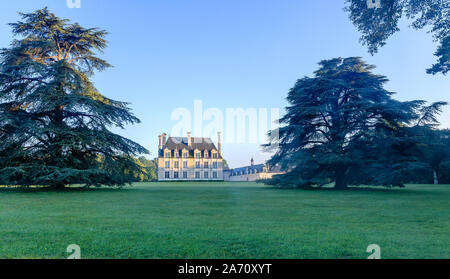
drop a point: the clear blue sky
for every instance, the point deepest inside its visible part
(230, 54)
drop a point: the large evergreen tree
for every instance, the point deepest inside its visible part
(343, 127)
(53, 121)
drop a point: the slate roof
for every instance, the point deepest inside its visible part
(180, 143)
(248, 169)
(254, 169)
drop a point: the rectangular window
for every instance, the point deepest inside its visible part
(177, 165)
(198, 155)
(167, 164)
(197, 165)
(206, 174)
(206, 165)
(185, 155)
(175, 175)
(215, 156)
(167, 175)
(185, 164)
(185, 175)
(167, 155)
(214, 165)
(215, 174)
(197, 174)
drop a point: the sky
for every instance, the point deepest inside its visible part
(230, 54)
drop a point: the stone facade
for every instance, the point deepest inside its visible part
(189, 159)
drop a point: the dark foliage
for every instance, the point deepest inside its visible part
(377, 25)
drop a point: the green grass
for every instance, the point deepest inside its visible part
(226, 220)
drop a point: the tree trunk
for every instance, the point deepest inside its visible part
(59, 186)
(340, 180)
(435, 176)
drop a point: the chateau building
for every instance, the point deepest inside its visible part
(189, 159)
(252, 172)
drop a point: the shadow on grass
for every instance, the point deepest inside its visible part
(355, 189)
(15, 189)
(161, 188)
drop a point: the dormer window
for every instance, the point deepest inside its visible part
(206, 154)
(167, 154)
(198, 154)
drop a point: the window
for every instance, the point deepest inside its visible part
(167, 175)
(206, 154)
(176, 153)
(177, 165)
(206, 174)
(198, 155)
(167, 164)
(215, 174)
(214, 165)
(206, 165)
(167, 155)
(197, 174)
(175, 175)
(197, 165)
(215, 156)
(185, 175)
(185, 164)
(185, 155)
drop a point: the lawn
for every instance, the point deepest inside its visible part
(226, 220)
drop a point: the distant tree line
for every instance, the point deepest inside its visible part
(433, 157)
(149, 170)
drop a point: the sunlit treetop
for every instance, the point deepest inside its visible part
(378, 24)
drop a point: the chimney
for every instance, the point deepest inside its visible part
(189, 139)
(160, 143)
(219, 142)
(164, 139)
(252, 162)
